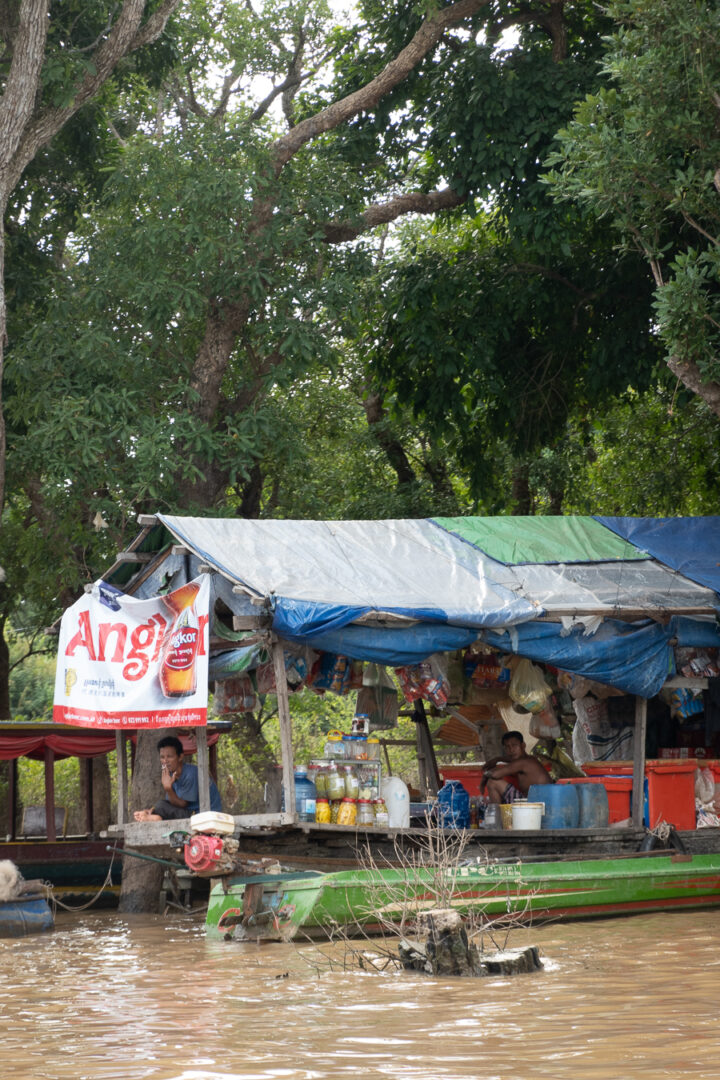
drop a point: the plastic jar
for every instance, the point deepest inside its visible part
(361, 752)
(334, 746)
(335, 783)
(361, 724)
(322, 811)
(321, 781)
(347, 814)
(350, 743)
(365, 815)
(351, 782)
(382, 818)
(373, 749)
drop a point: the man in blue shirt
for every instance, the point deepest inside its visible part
(180, 783)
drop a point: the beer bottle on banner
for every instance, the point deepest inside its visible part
(178, 676)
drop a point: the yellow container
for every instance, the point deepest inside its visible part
(506, 815)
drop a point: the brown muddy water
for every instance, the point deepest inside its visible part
(107, 997)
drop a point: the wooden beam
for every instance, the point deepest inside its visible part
(285, 727)
(638, 787)
(180, 549)
(122, 777)
(89, 799)
(619, 612)
(50, 795)
(147, 519)
(252, 622)
(13, 799)
(203, 768)
(694, 683)
(134, 556)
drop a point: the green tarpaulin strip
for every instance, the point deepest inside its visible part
(517, 540)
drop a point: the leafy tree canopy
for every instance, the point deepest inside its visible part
(643, 153)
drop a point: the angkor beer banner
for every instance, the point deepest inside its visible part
(134, 663)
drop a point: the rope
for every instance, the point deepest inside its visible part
(82, 907)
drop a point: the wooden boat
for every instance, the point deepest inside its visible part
(280, 907)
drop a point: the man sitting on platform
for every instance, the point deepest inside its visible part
(180, 781)
(509, 777)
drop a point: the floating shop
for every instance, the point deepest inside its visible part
(617, 617)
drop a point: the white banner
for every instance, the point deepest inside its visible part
(126, 663)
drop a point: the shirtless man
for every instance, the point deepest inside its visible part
(516, 763)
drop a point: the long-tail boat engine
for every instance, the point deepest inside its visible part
(211, 850)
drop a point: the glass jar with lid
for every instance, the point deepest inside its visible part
(365, 815)
(334, 746)
(347, 814)
(352, 784)
(335, 783)
(322, 812)
(373, 749)
(321, 778)
(350, 746)
(382, 818)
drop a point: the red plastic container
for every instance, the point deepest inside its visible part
(670, 788)
(671, 793)
(619, 790)
(470, 776)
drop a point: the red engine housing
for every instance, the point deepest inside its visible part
(203, 852)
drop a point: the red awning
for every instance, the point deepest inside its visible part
(81, 746)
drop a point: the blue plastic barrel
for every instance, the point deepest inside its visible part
(453, 805)
(562, 806)
(594, 807)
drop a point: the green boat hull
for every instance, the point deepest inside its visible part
(282, 907)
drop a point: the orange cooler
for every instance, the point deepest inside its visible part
(671, 792)
(670, 785)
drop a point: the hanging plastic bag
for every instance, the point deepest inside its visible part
(528, 688)
(544, 725)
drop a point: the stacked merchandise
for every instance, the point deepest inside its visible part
(345, 782)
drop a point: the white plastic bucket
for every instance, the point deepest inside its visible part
(527, 815)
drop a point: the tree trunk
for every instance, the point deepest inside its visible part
(101, 793)
(521, 496)
(4, 674)
(5, 823)
(141, 880)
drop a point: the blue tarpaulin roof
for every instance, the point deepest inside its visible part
(397, 591)
(690, 545)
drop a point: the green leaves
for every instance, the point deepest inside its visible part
(644, 155)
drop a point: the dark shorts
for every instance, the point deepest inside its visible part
(168, 812)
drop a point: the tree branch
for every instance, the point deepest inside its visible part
(125, 36)
(21, 88)
(429, 33)
(414, 202)
(690, 375)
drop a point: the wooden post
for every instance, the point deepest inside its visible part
(285, 727)
(638, 788)
(89, 800)
(122, 777)
(203, 768)
(50, 795)
(13, 798)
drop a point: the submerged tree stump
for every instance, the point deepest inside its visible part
(446, 950)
